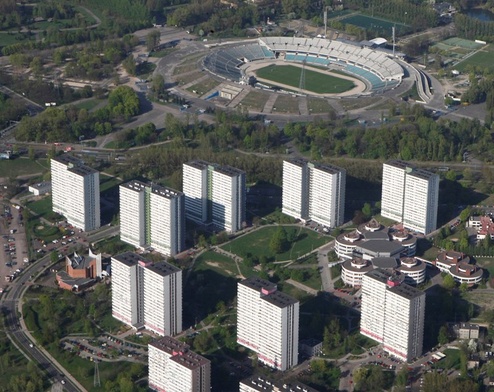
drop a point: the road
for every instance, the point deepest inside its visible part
(16, 330)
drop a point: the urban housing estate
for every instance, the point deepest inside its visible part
(410, 195)
(214, 195)
(152, 216)
(75, 192)
(174, 368)
(147, 295)
(268, 322)
(313, 191)
(393, 313)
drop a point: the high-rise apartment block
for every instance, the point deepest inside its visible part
(410, 195)
(214, 194)
(75, 192)
(152, 216)
(393, 313)
(313, 191)
(147, 295)
(174, 368)
(268, 322)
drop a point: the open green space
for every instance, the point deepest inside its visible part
(319, 105)
(88, 104)
(203, 87)
(377, 25)
(452, 360)
(286, 104)
(257, 243)
(219, 263)
(316, 82)
(255, 100)
(482, 58)
(12, 38)
(24, 166)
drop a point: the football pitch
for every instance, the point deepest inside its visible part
(315, 82)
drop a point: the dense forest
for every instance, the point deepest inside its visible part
(472, 28)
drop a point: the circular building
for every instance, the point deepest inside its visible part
(413, 269)
(353, 270)
(459, 266)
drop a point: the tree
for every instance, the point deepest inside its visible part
(153, 40)
(449, 282)
(31, 153)
(443, 335)
(402, 377)
(158, 86)
(279, 242)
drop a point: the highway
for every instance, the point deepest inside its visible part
(14, 327)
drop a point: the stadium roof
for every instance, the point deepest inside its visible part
(378, 41)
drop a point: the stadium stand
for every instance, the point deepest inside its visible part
(374, 67)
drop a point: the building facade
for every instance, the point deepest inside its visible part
(393, 313)
(314, 192)
(214, 194)
(147, 295)
(75, 192)
(152, 216)
(410, 195)
(173, 367)
(268, 323)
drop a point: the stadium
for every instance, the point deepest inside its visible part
(372, 71)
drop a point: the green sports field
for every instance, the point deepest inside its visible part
(316, 82)
(483, 59)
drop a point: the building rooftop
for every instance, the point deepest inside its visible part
(258, 284)
(410, 169)
(128, 258)
(380, 246)
(280, 299)
(76, 283)
(83, 170)
(169, 193)
(376, 235)
(190, 359)
(67, 159)
(301, 162)
(228, 170)
(406, 291)
(41, 185)
(170, 345)
(424, 174)
(331, 169)
(77, 261)
(198, 164)
(385, 262)
(135, 185)
(163, 268)
(258, 383)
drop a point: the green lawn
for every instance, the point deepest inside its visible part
(482, 59)
(23, 166)
(257, 243)
(452, 360)
(316, 82)
(88, 104)
(221, 264)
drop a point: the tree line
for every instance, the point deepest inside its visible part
(473, 28)
(72, 124)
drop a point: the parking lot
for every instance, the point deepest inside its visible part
(14, 248)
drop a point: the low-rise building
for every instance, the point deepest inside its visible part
(80, 271)
(310, 347)
(467, 331)
(459, 266)
(40, 188)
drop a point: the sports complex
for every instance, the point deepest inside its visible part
(312, 66)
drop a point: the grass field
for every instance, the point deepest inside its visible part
(482, 59)
(286, 104)
(316, 82)
(203, 87)
(184, 79)
(319, 105)
(88, 104)
(24, 166)
(257, 243)
(378, 25)
(255, 100)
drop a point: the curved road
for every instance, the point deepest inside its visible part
(15, 328)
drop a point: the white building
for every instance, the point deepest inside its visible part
(410, 195)
(268, 323)
(260, 384)
(75, 192)
(393, 313)
(147, 295)
(40, 188)
(214, 194)
(174, 368)
(314, 192)
(152, 216)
